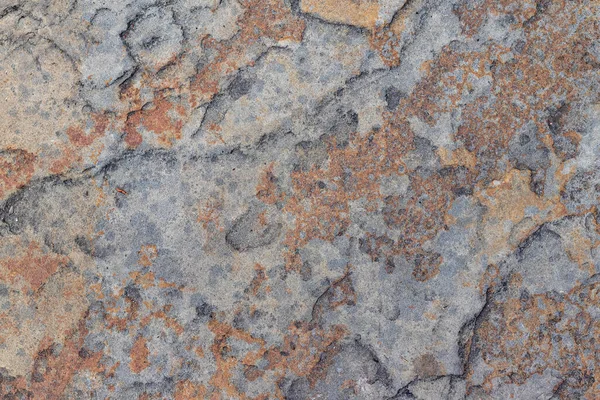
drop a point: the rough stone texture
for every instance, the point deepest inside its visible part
(299, 199)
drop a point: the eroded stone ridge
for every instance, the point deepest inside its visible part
(299, 199)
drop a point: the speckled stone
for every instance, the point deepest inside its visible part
(299, 199)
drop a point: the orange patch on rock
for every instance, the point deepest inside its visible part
(147, 254)
(221, 380)
(258, 280)
(57, 370)
(79, 138)
(323, 211)
(209, 214)
(162, 119)
(35, 266)
(132, 137)
(159, 121)
(387, 40)
(169, 322)
(554, 327)
(267, 190)
(16, 169)
(303, 348)
(507, 201)
(144, 280)
(262, 20)
(186, 390)
(139, 356)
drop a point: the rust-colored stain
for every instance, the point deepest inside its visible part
(270, 19)
(186, 390)
(16, 169)
(529, 334)
(258, 279)
(139, 356)
(79, 138)
(34, 266)
(147, 254)
(55, 366)
(221, 380)
(209, 214)
(267, 190)
(163, 119)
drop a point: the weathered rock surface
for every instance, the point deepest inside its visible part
(299, 199)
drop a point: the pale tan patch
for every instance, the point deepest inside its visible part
(506, 202)
(56, 311)
(458, 157)
(363, 13)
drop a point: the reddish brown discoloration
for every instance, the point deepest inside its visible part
(186, 390)
(322, 212)
(524, 335)
(209, 214)
(79, 138)
(163, 119)
(363, 13)
(352, 170)
(495, 91)
(139, 356)
(258, 280)
(302, 353)
(144, 280)
(302, 350)
(16, 169)
(54, 367)
(472, 14)
(342, 292)
(387, 40)
(486, 132)
(267, 190)
(426, 366)
(169, 322)
(270, 19)
(132, 138)
(147, 254)
(35, 266)
(221, 381)
(83, 142)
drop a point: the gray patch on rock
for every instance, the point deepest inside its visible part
(154, 38)
(248, 233)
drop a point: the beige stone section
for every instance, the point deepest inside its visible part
(52, 315)
(47, 313)
(363, 13)
(38, 90)
(506, 221)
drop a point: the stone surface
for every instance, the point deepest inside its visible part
(273, 199)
